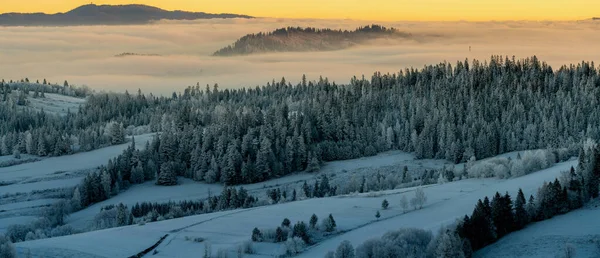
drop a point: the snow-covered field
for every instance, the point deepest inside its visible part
(51, 167)
(355, 215)
(579, 229)
(55, 103)
(191, 190)
(30, 184)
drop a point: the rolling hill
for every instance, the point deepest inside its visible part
(92, 14)
(298, 39)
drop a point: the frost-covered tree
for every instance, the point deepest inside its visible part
(116, 133)
(76, 200)
(7, 249)
(419, 199)
(137, 174)
(294, 245)
(447, 244)
(400, 243)
(345, 250)
(404, 203)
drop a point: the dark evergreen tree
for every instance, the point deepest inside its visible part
(300, 230)
(313, 221)
(521, 215)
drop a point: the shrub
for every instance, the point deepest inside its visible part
(294, 246)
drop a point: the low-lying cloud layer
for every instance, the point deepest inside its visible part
(85, 55)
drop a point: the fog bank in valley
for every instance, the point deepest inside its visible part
(86, 55)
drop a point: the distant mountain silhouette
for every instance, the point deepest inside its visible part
(106, 15)
(308, 39)
(596, 18)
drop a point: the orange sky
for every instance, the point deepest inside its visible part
(387, 10)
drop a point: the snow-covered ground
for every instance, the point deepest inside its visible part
(31, 184)
(579, 229)
(50, 167)
(11, 158)
(191, 190)
(55, 103)
(355, 214)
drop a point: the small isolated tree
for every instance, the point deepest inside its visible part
(329, 254)
(420, 199)
(385, 204)
(345, 250)
(256, 235)
(404, 203)
(286, 223)
(377, 215)
(76, 200)
(313, 221)
(328, 224)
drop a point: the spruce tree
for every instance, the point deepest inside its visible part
(167, 175)
(521, 215)
(300, 230)
(286, 223)
(313, 221)
(385, 204)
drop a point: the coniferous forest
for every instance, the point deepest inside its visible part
(453, 112)
(459, 112)
(448, 111)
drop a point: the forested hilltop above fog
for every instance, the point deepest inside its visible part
(92, 14)
(298, 39)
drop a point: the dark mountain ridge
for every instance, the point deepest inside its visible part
(92, 14)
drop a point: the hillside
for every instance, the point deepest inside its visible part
(92, 14)
(578, 230)
(307, 39)
(225, 231)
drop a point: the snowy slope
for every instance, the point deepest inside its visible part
(580, 229)
(55, 103)
(35, 183)
(50, 167)
(191, 190)
(354, 214)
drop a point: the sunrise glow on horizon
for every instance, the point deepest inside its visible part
(385, 10)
